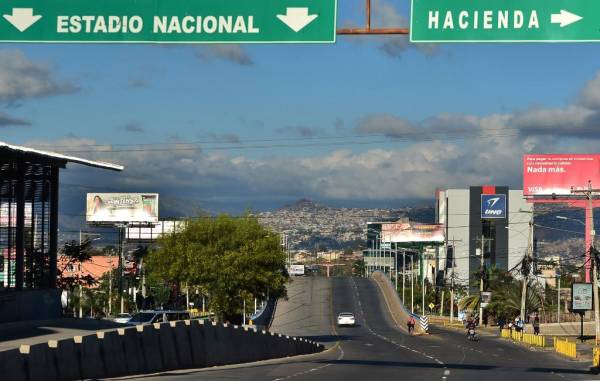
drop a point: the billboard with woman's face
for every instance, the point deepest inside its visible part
(122, 207)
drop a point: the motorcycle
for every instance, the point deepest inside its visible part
(472, 335)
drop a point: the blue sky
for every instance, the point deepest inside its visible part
(545, 95)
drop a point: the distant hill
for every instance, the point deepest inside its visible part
(310, 224)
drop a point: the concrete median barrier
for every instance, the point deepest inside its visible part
(113, 353)
(67, 360)
(147, 349)
(40, 362)
(91, 360)
(183, 346)
(228, 353)
(150, 348)
(168, 350)
(203, 343)
(132, 348)
(13, 365)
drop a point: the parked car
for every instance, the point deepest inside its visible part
(346, 319)
(122, 318)
(150, 317)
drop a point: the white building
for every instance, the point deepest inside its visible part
(498, 215)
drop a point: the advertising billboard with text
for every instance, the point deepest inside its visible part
(582, 296)
(406, 232)
(122, 207)
(555, 174)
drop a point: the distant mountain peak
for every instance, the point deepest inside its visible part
(303, 203)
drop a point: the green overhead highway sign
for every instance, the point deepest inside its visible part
(168, 21)
(505, 21)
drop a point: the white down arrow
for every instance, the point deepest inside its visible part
(297, 18)
(22, 18)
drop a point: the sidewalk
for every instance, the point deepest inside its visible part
(584, 349)
(13, 335)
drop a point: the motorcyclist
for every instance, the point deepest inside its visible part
(471, 327)
(410, 323)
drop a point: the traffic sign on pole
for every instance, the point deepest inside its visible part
(169, 21)
(504, 21)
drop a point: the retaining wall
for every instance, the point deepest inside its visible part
(399, 312)
(148, 349)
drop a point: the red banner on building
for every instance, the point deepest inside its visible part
(556, 174)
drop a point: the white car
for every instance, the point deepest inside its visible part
(346, 319)
(122, 318)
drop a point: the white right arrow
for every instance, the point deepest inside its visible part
(22, 18)
(297, 18)
(564, 18)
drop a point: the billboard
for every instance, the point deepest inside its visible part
(122, 207)
(493, 206)
(154, 232)
(582, 297)
(555, 174)
(407, 232)
(296, 270)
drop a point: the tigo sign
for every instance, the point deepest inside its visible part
(493, 206)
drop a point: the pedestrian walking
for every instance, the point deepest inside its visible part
(501, 323)
(536, 325)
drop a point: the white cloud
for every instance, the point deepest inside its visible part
(590, 95)
(446, 150)
(22, 78)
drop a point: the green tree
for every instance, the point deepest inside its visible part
(358, 268)
(231, 258)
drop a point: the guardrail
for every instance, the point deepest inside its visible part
(527, 338)
(565, 347)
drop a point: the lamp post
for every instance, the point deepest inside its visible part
(529, 257)
(374, 261)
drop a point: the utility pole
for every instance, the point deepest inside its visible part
(589, 193)
(528, 260)
(481, 280)
(412, 286)
(529, 256)
(558, 274)
(452, 276)
(80, 286)
(482, 269)
(110, 284)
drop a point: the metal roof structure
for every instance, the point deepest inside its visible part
(9, 148)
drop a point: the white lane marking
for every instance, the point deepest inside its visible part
(393, 342)
(341, 356)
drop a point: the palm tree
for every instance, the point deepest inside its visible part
(506, 295)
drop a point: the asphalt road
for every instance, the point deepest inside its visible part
(376, 350)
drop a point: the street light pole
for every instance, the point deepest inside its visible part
(403, 276)
(558, 305)
(412, 286)
(396, 267)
